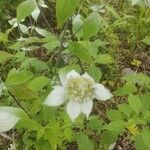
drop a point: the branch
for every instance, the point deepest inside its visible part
(61, 47)
(18, 103)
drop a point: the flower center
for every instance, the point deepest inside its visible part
(80, 89)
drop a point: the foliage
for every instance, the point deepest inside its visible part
(100, 38)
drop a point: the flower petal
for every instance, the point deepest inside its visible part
(72, 74)
(56, 97)
(86, 107)
(73, 110)
(101, 92)
(64, 76)
(86, 76)
(7, 121)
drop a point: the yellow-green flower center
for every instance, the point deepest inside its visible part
(80, 89)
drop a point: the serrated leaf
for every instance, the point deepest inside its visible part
(3, 37)
(95, 124)
(109, 137)
(38, 83)
(95, 72)
(91, 25)
(51, 45)
(135, 103)
(23, 93)
(18, 77)
(35, 64)
(43, 145)
(125, 108)
(30, 124)
(4, 56)
(84, 142)
(64, 9)
(92, 47)
(146, 40)
(81, 52)
(128, 88)
(116, 125)
(139, 78)
(142, 140)
(104, 59)
(25, 9)
(114, 114)
(40, 133)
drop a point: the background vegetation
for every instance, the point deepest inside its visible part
(108, 39)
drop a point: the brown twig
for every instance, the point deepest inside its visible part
(61, 47)
(44, 17)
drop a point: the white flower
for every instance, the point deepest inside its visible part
(79, 92)
(7, 121)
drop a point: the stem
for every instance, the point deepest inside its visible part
(73, 39)
(6, 136)
(44, 17)
(18, 103)
(61, 47)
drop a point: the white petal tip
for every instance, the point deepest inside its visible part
(102, 93)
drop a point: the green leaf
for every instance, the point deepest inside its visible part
(23, 93)
(4, 56)
(125, 108)
(38, 83)
(95, 123)
(116, 125)
(128, 88)
(18, 77)
(104, 59)
(146, 40)
(77, 27)
(135, 103)
(142, 140)
(139, 78)
(146, 116)
(43, 145)
(64, 9)
(91, 25)
(81, 52)
(36, 106)
(92, 47)
(30, 124)
(114, 114)
(51, 45)
(35, 64)
(112, 11)
(25, 9)
(94, 72)
(109, 137)
(145, 101)
(20, 56)
(84, 143)
(53, 133)
(40, 133)
(3, 37)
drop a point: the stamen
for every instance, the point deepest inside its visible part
(80, 89)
